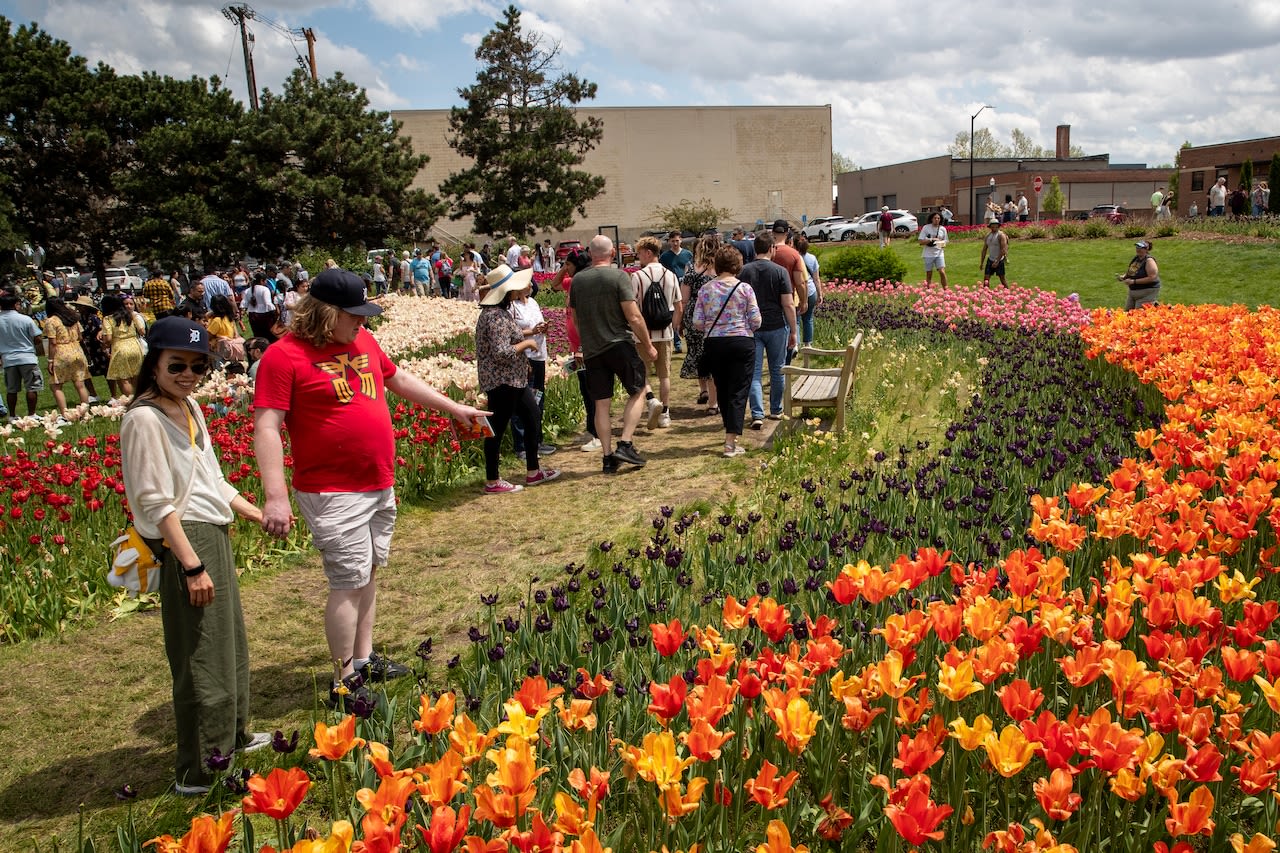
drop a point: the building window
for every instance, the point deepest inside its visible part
(869, 204)
(891, 201)
(1197, 182)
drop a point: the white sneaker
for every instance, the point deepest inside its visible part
(259, 740)
(655, 412)
(591, 446)
(665, 420)
(190, 790)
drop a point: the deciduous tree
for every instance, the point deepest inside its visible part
(696, 216)
(1054, 200)
(523, 137)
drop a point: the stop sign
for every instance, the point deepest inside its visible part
(1038, 184)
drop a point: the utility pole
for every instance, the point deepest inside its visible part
(310, 36)
(238, 15)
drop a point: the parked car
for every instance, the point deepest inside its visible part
(820, 228)
(867, 225)
(1113, 213)
(565, 247)
(118, 278)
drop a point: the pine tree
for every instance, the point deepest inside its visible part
(522, 135)
(1054, 199)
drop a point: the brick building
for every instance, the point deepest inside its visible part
(1200, 166)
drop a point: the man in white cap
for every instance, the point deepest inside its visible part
(326, 380)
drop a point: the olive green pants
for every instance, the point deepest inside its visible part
(208, 655)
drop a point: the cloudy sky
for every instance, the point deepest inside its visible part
(1133, 78)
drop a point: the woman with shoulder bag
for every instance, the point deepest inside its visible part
(728, 315)
(183, 506)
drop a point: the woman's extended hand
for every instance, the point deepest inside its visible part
(200, 589)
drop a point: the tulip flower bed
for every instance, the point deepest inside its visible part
(1054, 632)
(62, 494)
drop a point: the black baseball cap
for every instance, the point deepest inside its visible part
(178, 333)
(781, 226)
(344, 289)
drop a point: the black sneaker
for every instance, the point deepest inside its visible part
(353, 697)
(546, 449)
(382, 669)
(626, 452)
(611, 464)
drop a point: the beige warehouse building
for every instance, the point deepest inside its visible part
(762, 163)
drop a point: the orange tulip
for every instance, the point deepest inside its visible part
(338, 841)
(447, 829)
(1056, 796)
(711, 700)
(534, 693)
(735, 614)
(592, 686)
(704, 742)
(501, 808)
(657, 761)
(593, 787)
(1019, 700)
(440, 782)
(779, 840)
(434, 718)
(517, 766)
(917, 754)
(667, 638)
(334, 742)
(677, 805)
(388, 801)
(1258, 844)
(912, 709)
(913, 814)
(668, 698)
(588, 843)
(539, 838)
(476, 844)
(797, 723)
(207, 835)
(773, 619)
(578, 715)
(468, 741)
(571, 818)
(834, 822)
(520, 724)
(767, 789)
(1192, 817)
(278, 794)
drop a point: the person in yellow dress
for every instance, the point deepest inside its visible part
(120, 334)
(67, 362)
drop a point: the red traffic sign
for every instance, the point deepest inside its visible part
(1038, 184)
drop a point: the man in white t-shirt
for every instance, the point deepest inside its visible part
(648, 250)
(513, 253)
(1218, 197)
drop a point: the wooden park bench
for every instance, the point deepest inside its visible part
(812, 387)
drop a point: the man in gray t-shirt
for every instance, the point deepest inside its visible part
(18, 337)
(602, 304)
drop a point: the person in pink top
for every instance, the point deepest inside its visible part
(575, 262)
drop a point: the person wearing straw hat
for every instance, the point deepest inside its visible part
(326, 380)
(503, 372)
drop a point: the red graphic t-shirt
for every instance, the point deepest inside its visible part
(336, 411)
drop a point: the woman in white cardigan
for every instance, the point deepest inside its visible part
(182, 505)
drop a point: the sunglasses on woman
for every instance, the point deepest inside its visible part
(175, 368)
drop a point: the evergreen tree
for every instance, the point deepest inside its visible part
(1246, 174)
(522, 135)
(1054, 199)
(322, 169)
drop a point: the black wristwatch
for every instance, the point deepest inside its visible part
(193, 572)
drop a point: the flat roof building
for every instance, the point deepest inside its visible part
(1200, 166)
(762, 163)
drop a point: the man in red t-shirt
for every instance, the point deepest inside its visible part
(789, 259)
(326, 381)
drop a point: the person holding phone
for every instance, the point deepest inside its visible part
(933, 237)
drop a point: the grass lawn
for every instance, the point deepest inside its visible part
(1195, 271)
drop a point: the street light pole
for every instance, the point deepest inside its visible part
(973, 196)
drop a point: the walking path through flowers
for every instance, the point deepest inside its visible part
(105, 690)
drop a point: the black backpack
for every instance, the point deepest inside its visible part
(654, 308)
